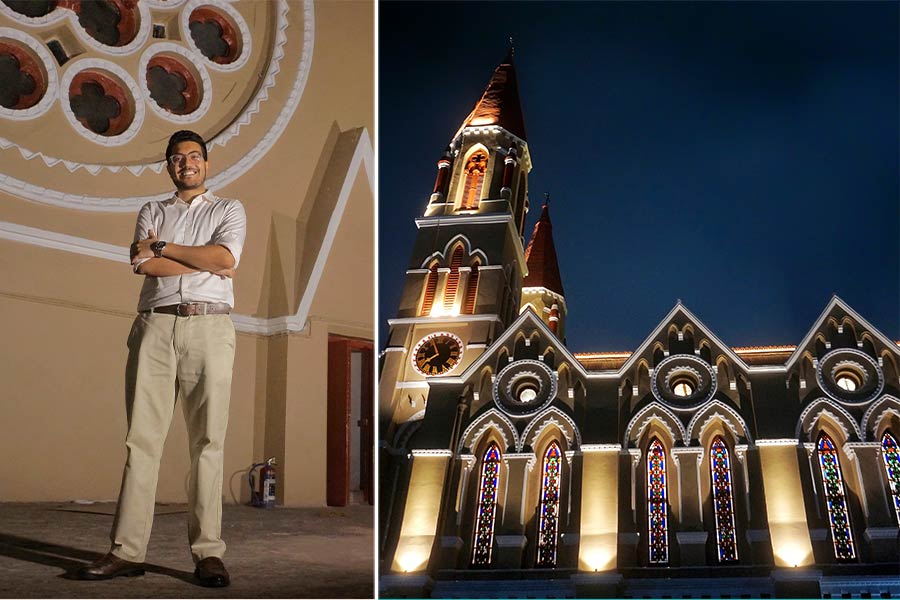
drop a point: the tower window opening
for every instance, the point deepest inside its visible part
(453, 279)
(471, 291)
(430, 290)
(848, 380)
(475, 170)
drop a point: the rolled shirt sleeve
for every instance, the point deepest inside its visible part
(232, 230)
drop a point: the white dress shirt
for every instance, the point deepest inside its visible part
(206, 220)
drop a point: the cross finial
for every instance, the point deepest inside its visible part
(512, 46)
(547, 198)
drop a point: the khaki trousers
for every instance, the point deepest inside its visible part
(169, 359)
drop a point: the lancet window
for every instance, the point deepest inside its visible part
(723, 499)
(486, 510)
(456, 260)
(549, 507)
(657, 503)
(475, 169)
(891, 455)
(430, 289)
(833, 487)
(471, 291)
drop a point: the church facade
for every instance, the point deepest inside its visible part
(513, 467)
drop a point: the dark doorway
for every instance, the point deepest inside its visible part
(350, 428)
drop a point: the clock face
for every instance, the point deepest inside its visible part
(437, 353)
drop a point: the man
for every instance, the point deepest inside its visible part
(181, 348)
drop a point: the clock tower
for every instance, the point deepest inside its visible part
(464, 279)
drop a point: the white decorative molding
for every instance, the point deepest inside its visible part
(431, 452)
(444, 256)
(50, 70)
(601, 448)
(127, 80)
(205, 81)
(402, 385)
(61, 241)
(778, 442)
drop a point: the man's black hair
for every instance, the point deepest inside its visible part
(185, 135)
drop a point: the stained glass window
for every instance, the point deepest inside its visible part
(723, 499)
(657, 509)
(487, 506)
(838, 516)
(549, 507)
(891, 456)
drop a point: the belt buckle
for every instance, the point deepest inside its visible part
(186, 306)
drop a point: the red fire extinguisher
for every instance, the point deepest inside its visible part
(265, 496)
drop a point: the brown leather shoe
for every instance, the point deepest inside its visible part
(211, 572)
(110, 566)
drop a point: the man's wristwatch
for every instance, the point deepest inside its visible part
(157, 248)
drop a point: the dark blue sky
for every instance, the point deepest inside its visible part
(740, 156)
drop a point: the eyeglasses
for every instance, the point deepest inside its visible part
(180, 159)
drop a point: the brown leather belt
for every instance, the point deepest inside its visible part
(192, 309)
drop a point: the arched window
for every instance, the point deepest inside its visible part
(549, 507)
(657, 504)
(833, 487)
(486, 511)
(476, 167)
(430, 289)
(453, 278)
(471, 291)
(723, 499)
(891, 456)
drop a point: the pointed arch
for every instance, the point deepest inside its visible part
(550, 417)
(643, 378)
(658, 353)
(835, 498)
(471, 289)
(821, 346)
(486, 507)
(867, 344)
(723, 499)
(474, 173)
(705, 417)
(653, 413)
(827, 409)
(706, 351)
(890, 454)
(548, 506)
(687, 333)
(492, 420)
(889, 368)
(873, 420)
(452, 286)
(657, 503)
(549, 357)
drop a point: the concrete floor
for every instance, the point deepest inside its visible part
(280, 553)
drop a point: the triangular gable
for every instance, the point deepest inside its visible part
(680, 308)
(836, 302)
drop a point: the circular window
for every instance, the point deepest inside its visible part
(31, 8)
(111, 22)
(683, 381)
(849, 375)
(215, 34)
(524, 387)
(100, 102)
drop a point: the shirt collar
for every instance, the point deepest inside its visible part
(206, 196)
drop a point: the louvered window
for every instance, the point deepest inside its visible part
(430, 289)
(453, 279)
(471, 291)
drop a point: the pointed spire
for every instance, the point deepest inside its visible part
(500, 105)
(540, 256)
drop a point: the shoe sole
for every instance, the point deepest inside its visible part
(92, 577)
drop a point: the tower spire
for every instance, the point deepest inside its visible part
(500, 104)
(542, 287)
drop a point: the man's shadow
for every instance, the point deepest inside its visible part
(69, 559)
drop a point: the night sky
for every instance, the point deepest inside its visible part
(742, 157)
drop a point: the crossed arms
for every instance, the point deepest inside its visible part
(181, 260)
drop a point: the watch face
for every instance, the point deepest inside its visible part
(437, 353)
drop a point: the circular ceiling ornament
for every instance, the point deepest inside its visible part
(524, 388)
(850, 376)
(100, 102)
(218, 33)
(118, 27)
(268, 55)
(683, 382)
